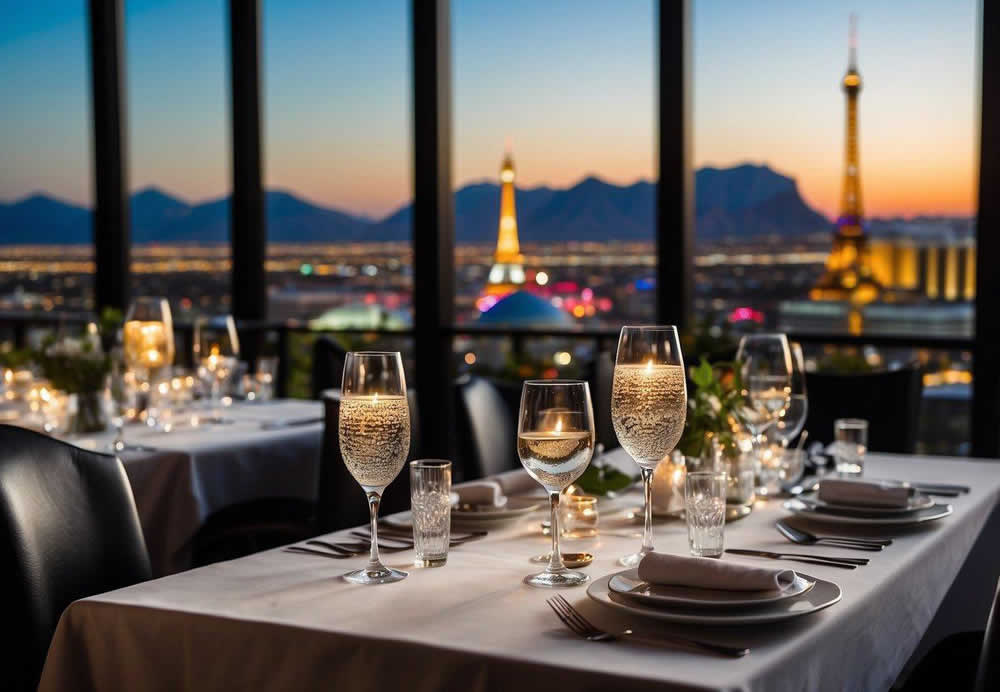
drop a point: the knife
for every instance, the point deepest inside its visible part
(845, 562)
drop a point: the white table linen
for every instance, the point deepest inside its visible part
(193, 472)
(281, 621)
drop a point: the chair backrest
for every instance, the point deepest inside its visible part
(988, 674)
(600, 394)
(69, 530)
(487, 430)
(889, 401)
(341, 502)
(327, 365)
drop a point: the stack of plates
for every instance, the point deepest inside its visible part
(920, 508)
(626, 592)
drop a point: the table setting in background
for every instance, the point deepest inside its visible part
(750, 576)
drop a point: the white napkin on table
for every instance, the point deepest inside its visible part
(843, 491)
(518, 482)
(710, 573)
(482, 492)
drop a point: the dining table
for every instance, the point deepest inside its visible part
(280, 620)
(211, 459)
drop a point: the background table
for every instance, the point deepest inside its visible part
(278, 621)
(192, 472)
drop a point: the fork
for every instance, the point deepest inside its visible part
(582, 627)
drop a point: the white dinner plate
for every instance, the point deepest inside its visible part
(915, 503)
(515, 509)
(822, 595)
(661, 595)
(920, 516)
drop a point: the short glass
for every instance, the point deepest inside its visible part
(705, 511)
(430, 505)
(579, 516)
(850, 436)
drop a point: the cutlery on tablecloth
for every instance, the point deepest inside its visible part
(322, 553)
(408, 538)
(582, 627)
(844, 562)
(951, 487)
(360, 547)
(803, 537)
(290, 422)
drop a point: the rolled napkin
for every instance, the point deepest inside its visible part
(842, 491)
(481, 493)
(709, 573)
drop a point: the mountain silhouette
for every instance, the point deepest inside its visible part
(743, 201)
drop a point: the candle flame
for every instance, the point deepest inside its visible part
(559, 425)
(649, 366)
(375, 398)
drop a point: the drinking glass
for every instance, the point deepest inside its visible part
(705, 511)
(430, 505)
(793, 417)
(648, 407)
(555, 441)
(850, 444)
(374, 431)
(148, 342)
(216, 354)
(766, 380)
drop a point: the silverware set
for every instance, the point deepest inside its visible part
(842, 562)
(582, 627)
(390, 540)
(803, 537)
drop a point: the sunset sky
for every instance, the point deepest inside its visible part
(571, 82)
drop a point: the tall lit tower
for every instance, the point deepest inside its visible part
(507, 273)
(848, 274)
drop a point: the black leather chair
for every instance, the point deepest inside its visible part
(487, 431)
(889, 401)
(327, 366)
(253, 526)
(600, 394)
(69, 530)
(988, 673)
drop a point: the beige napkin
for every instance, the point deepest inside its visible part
(709, 573)
(481, 493)
(842, 491)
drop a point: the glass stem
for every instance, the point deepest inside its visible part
(647, 526)
(555, 561)
(373, 502)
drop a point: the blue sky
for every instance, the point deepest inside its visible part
(572, 83)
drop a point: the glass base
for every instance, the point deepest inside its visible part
(634, 559)
(431, 561)
(380, 574)
(556, 580)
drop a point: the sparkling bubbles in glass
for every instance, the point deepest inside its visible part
(648, 407)
(374, 431)
(555, 441)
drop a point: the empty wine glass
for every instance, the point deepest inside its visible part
(555, 441)
(766, 373)
(648, 408)
(216, 354)
(374, 432)
(793, 417)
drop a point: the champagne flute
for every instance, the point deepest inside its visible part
(216, 354)
(555, 441)
(648, 408)
(766, 373)
(374, 439)
(148, 342)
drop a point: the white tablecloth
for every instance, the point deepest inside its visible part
(282, 621)
(193, 472)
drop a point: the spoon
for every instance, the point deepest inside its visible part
(571, 560)
(802, 537)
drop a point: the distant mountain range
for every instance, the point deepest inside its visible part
(743, 201)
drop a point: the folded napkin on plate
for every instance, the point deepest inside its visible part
(709, 573)
(481, 493)
(518, 482)
(841, 491)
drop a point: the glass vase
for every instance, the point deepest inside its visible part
(87, 413)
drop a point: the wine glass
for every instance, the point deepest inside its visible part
(216, 354)
(648, 408)
(793, 418)
(766, 374)
(374, 439)
(148, 342)
(555, 441)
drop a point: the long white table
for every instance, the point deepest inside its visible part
(282, 621)
(184, 476)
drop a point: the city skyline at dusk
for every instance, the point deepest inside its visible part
(572, 85)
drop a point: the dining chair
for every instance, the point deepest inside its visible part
(327, 365)
(988, 671)
(69, 530)
(888, 400)
(487, 430)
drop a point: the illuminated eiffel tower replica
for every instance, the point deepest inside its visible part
(849, 276)
(507, 273)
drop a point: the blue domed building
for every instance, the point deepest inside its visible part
(523, 309)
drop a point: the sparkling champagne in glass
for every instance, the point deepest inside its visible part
(374, 429)
(555, 441)
(148, 343)
(648, 407)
